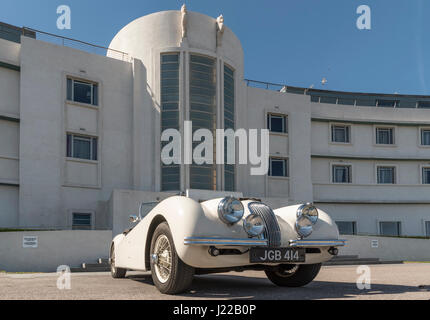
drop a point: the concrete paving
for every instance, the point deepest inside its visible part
(406, 281)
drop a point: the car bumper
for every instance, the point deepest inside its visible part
(213, 241)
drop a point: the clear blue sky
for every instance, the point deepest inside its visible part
(297, 42)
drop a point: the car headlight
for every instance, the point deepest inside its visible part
(254, 225)
(230, 210)
(307, 217)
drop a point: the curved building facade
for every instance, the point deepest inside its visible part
(84, 145)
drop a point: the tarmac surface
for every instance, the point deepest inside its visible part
(388, 282)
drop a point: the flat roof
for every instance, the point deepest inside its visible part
(349, 98)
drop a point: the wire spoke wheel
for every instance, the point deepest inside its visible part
(163, 254)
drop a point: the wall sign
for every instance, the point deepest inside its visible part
(375, 243)
(30, 242)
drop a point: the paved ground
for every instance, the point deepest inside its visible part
(407, 281)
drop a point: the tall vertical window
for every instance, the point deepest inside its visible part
(203, 114)
(340, 134)
(386, 175)
(170, 174)
(82, 91)
(384, 135)
(341, 174)
(425, 137)
(229, 123)
(426, 175)
(428, 228)
(390, 228)
(82, 147)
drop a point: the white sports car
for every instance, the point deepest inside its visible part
(181, 237)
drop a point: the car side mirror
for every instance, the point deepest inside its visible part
(134, 219)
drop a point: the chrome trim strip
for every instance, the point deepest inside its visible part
(204, 241)
(317, 243)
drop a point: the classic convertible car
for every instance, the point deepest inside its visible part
(181, 237)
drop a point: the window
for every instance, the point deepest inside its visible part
(426, 175)
(277, 123)
(347, 227)
(386, 175)
(424, 104)
(340, 133)
(278, 167)
(342, 174)
(384, 135)
(170, 174)
(82, 91)
(428, 228)
(203, 114)
(81, 221)
(82, 147)
(425, 137)
(389, 228)
(387, 103)
(229, 119)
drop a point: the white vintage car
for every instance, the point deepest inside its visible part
(181, 237)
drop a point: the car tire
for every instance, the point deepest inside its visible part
(180, 276)
(293, 275)
(117, 273)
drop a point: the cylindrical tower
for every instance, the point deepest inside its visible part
(194, 67)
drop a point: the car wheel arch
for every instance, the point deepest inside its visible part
(156, 221)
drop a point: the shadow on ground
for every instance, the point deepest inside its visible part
(241, 287)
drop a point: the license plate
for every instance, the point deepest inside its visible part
(277, 255)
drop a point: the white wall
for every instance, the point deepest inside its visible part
(50, 186)
(55, 248)
(9, 92)
(368, 216)
(389, 249)
(9, 206)
(296, 145)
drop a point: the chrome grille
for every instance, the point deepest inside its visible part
(272, 232)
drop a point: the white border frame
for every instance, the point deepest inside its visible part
(340, 124)
(389, 165)
(395, 130)
(338, 163)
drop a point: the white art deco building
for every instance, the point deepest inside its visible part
(80, 133)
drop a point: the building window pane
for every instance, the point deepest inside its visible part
(341, 174)
(386, 175)
(81, 221)
(203, 113)
(82, 147)
(340, 134)
(426, 175)
(425, 137)
(229, 123)
(81, 91)
(428, 228)
(170, 174)
(347, 227)
(384, 136)
(390, 228)
(278, 167)
(277, 123)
